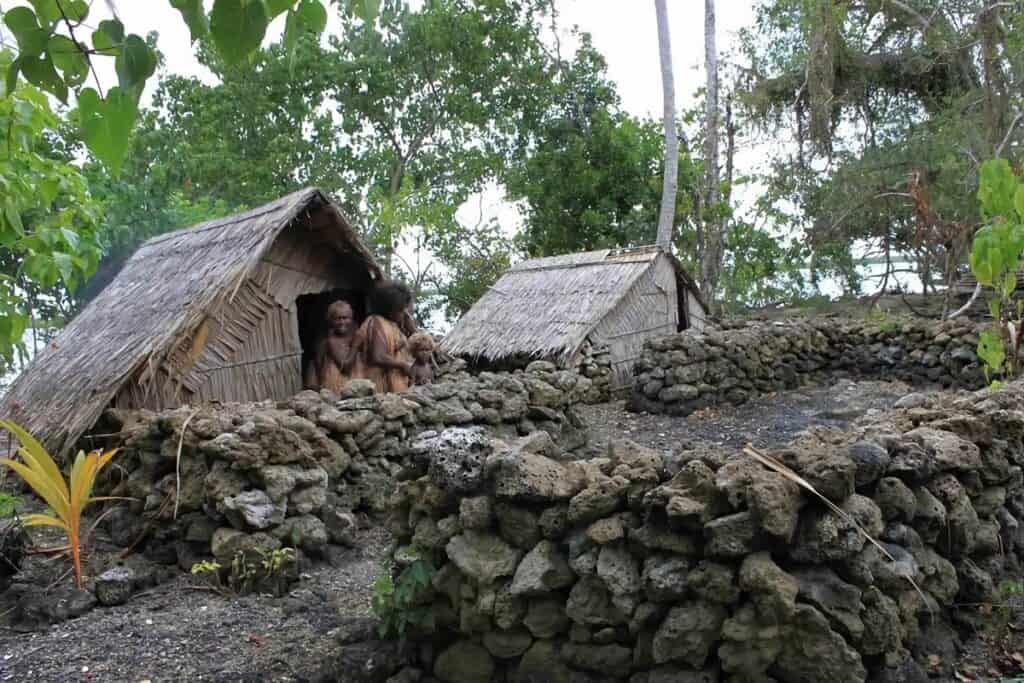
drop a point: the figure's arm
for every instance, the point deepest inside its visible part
(379, 355)
(344, 358)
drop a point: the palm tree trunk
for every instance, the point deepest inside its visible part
(711, 249)
(671, 169)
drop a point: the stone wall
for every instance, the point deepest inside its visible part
(266, 475)
(684, 372)
(593, 364)
(710, 566)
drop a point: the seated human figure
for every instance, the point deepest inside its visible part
(421, 346)
(335, 355)
(384, 357)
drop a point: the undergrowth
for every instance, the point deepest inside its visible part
(403, 601)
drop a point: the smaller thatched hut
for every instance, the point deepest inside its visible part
(560, 307)
(224, 311)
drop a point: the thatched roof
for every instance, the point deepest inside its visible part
(546, 307)
(158, 299)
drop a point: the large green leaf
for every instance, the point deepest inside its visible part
(238, 27)
(39, 71)
(308, 17)
(47, 11)
(996, 189)
(69, 59)
(991, 350)
(108, 37)
(106, 125)
(32, 38)
(195, 17)
(276, 8)
(135, 63)
(50, 11)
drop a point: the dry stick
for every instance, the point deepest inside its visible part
(963, 309)
(776, 466)
(177, 463)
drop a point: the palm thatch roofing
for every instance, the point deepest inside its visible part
(547, 307)
(158, 299)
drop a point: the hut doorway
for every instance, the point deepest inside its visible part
(311, 312)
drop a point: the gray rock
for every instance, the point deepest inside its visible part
(947, 450)
(689, 633)
(814, 652)
(665, 578)
(895, 499)
(278, 481)
(307, 500)
(775, 503)
(507, 644)
(619, 570)
(455, 457)
(464, 662)
(750, 644)
(531, 478)
(546, 618)
(306, 532)
(543, 570)
(774, 591)
(483, 557)
(517, 525)
(252, 510)
(731, 536)
(590, 604)
(476, 513)
(615, 660)
(227, 543)
(115, 586)
(871, 460)
(714, 582)
(837, 600)
(542, 662)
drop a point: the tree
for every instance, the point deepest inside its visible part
(670, 172)
(891, 105)
(713, 220)
(48, 219)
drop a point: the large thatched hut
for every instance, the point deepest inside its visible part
(562, 307)
(224, 311)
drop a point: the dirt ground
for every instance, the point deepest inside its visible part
(765, 421)
(176, 632)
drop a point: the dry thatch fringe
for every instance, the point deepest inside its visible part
(780, 468)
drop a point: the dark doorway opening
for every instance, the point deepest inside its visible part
(311, 312)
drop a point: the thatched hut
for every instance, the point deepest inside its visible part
(562, 307)
(223, 311)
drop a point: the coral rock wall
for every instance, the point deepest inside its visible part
(684, 372)
(254, 477)
(710, 566)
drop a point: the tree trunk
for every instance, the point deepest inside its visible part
(711, 248)
(671, 169)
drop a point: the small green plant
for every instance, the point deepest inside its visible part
(66, 498)
(271, 571)
(8, 504)
(404, 601)
(995, 260)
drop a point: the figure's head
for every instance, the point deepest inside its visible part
(421, 346)
(390, 299)
(340, 318)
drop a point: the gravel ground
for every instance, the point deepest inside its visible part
(765, 421)
(176, 632)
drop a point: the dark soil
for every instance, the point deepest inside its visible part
(178, 632)
(765, 421)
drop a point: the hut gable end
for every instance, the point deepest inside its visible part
(184, 304)
(549, 307)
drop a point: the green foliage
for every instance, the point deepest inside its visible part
(54, 58)
(404, 602)
(760, 269)
(272, 571)
(48, 219)
(995, 260)
(8, 504)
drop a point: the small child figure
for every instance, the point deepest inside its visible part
(421, 346)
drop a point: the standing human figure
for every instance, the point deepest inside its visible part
(335, 355)
(384, 356)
